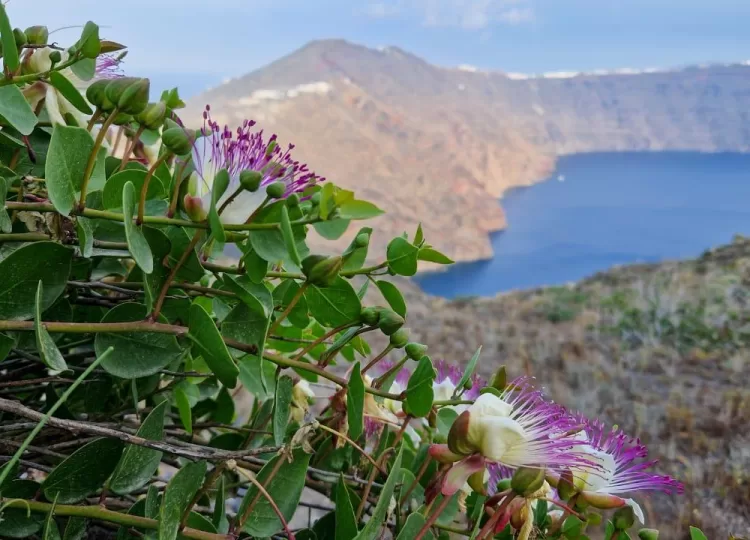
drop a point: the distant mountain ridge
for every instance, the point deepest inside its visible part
(440, 145)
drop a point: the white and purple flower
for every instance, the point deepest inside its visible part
(219, 148)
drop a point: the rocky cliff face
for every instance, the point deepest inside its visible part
(440, 145)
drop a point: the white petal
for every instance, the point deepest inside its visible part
(241, 208)
(599, 479)
(494, 435)
(490, 405)
(53, 106)
(444, 390)
(637, 510)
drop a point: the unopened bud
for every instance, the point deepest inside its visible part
(250, 180)
(177, 140)
(37, 35)
(323, 272)
(90, 45)
(111, 46)
(20, 37)
(292, 201)
(503, 485)
(134, 99)
(565, 487)
(415, 351)
(315, 198)
(122, 119)
(499, 379)
(648, 534)
(624, 518)
(194, 208)
(362, 240)
(602, 501)
(271, 147)
(527, 480)
(116, 87)
(370, 316)
(153, 115)
(276, 190)
(390, 321)
(457, 435)
(55, 57)
(95, 93)
(400, 338)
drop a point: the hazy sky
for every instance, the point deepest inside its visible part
(200, 42)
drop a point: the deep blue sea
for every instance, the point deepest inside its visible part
(603, 209)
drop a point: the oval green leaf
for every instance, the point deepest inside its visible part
(371, 530)
(334, 305)
(15, 111)
(206, 337)
(355, 402)
(69, 92)
(137, 243)
(402, 257)
(179, 492)
(281, 402)
(393, 296)
(112, 192)
(48, 351)
(68, 154)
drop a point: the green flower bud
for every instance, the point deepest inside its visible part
(37, 35)
(624, 518)
(153, 115)
(503, 485)
(122, 119)
(499, 379)
(250, 180)
(90, 45)
(310, 261)
(55, 57)
(315, 198)
(194, 208)
(20, 37)
(565, 487)
(415, 351)
(527, 480)
(177, 140)
(648, 534)
(458, 433)
(95, 93)
(134, 98)
(115, 87)
(362, 240)
(276, 190)
(169, 123)
(111, 46)
(370, 316)
(390, 322)
(400, 338)
(292, 201)
(324, 272)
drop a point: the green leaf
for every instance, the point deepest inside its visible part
(83, 472)
(191, 270)
(179, 492)
(697, 534)
(359, 210)
(138, 464)
(283, 296)
(85, 229)
(135, 354)
(247, 324)
(331, 230)
(609, 530)
(75, 529)
(206, 336)
(432, 255)
(371, 530)
(419, 392)
(221, 182)
(470, 369)
(6, 344)
(402, 257)
(21, 272)
(250, 292)
(327, 202)
(255, 266)
(355, 402)
(411, 528)
(254, 372)
(281, 402)
(69, 92)
(15, 111)
(137, 243)
(183, 407)
(112, 192)
(6, 225)
(393, 296)
(334, 305)
(355, 256)
(160, 249)
(270, 244)
(68, 154)
(572, 527)
(285, 488)
(219, 518)
(288, 235)
(445, 418)
(8, 40)
(84, 69)
(346, 520)
(419, 236)
(48, 351)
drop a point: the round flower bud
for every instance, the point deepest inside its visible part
(324, 272)
(415, 351)
(362, 240)
(194, 208)
(114, 88)
(134, 98)
(292, 201)
(153, 115)
(503, 485)
(276, 190)
(624, 518)
(310, 261)
(390, 322)
(122, 119)
(55, 57)
(95, 93)
(177, 140)
(400, 338)
(20, 37)
(37, 35)
(527, 480)
(250, 180)
(648, 534)
(369, 316)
